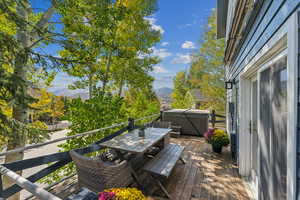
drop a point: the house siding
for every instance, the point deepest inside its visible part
(231, 8)
(272, 16)
(298, 120)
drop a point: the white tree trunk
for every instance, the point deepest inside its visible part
(27, 39)
(19, 111)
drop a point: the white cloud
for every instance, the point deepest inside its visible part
(159, 70)
(154, 26)
(57, 55)
(194, 22)
(164, 44)
(182, 59)
(188, 45)
(161, 53)
(184, 26)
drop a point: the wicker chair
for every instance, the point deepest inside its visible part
(97, 175)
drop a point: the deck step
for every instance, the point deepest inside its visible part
(175, 134)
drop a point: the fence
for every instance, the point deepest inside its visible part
(213, 118)
(61, 159)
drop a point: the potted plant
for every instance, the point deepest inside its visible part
(217, 138)
(121, 194)
(142, 131)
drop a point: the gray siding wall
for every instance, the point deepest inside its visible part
(298, 120)
(231, 8)
(272, 16)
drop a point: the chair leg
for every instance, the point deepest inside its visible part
(182, 160)
(162, 187)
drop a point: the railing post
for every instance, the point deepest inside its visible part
(161, 115)
(213, 118)
(130, 124)
(1, 186)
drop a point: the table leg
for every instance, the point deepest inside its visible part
(135, 178)
(160, 185)
(133, 173)
(182, 160)
(166, 140)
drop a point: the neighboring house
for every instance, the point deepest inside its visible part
(262, 62)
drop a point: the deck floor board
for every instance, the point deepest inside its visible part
(205, 176)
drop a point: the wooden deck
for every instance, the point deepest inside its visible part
(205, 176)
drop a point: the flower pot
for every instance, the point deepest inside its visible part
(141, 133)
(217, 148)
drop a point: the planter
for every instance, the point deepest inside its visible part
(216, 148)
(141, 133)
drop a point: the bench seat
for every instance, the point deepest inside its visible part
(164, 162)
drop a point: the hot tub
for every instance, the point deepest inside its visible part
(192, 121)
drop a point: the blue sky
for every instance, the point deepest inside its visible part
(181, 23)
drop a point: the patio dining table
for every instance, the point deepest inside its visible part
(131, 142)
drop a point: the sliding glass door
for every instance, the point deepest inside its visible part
(273, 130)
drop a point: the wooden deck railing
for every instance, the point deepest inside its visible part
(60, 159)
(213, 118)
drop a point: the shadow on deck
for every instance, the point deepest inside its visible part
(205, 176)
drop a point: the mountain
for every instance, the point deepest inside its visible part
(61, 91)
(83, 94)
(164, 92)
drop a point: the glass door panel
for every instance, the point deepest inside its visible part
(253, 127)
(273, 131)
(264, 134)
(279, 128)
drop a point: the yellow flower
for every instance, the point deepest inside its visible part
(127, 193)
(220, 138)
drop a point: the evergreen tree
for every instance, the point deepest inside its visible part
(23, 34)
(23, 31)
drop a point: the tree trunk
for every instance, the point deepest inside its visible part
(91, 86)
(121, 88)
(105, 81)
(19, 111)
(121, 84)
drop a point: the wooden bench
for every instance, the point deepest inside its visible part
(163, 163)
